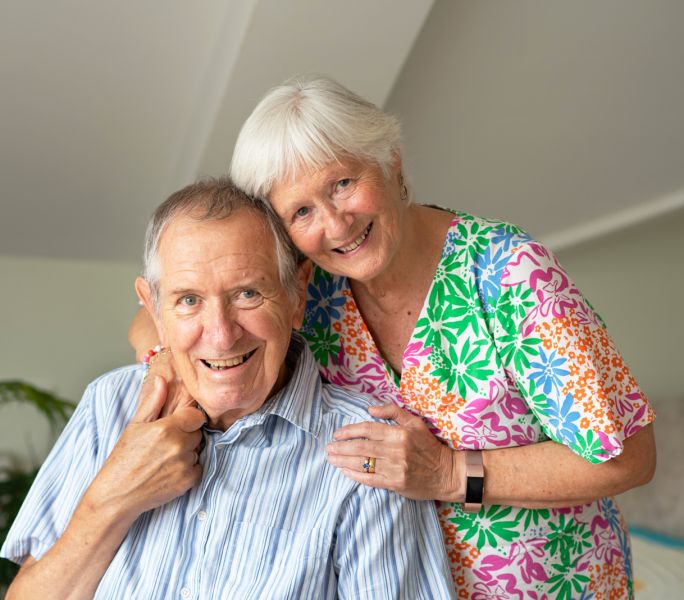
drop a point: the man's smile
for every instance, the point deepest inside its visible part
(222, 365)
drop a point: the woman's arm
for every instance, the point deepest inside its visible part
(414, 463)
(549, 474)
(142, 334)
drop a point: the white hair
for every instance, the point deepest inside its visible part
(214, 199)
(309, 122)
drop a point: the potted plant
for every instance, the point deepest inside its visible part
(15, 480)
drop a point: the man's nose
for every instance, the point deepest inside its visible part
(221, 326)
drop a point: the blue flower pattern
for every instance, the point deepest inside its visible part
(549, 371)
(324, 300)
(564, 419)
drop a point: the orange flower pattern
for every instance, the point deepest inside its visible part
(506, 352)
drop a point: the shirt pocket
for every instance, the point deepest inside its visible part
(261, 561)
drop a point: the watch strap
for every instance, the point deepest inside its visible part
(474, 484)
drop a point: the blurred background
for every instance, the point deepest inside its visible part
(566, 118)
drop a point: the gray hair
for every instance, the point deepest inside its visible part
(310, 121)
(214, 199)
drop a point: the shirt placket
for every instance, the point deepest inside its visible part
(200, 517)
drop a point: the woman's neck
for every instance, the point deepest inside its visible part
(390, 304)
(422, 238)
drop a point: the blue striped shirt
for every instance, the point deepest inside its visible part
(270, 517)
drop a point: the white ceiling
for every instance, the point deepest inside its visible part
(106, 108)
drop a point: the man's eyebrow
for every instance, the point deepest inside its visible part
(181, 291)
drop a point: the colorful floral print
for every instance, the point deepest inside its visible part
(506, 352)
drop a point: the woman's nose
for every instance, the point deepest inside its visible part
(336, 222)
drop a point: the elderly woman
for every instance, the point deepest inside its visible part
(513, 407)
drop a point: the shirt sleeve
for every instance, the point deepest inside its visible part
(66, 474)
(566, 366)
(390, 547)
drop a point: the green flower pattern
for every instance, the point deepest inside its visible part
(494, 330)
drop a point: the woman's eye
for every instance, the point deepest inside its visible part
(301, 212)
(343, 183)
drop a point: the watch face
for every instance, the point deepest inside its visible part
(474, 490)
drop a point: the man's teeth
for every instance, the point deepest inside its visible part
(357, 242)
(227, 364)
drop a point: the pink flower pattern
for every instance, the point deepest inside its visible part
(511, 552)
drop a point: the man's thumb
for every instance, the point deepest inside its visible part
(152, 398)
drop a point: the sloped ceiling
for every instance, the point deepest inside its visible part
(561, 116)
(564, 117)
(109, 107)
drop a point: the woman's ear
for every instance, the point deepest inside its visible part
(397, 164)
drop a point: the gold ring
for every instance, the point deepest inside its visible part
(369, 465)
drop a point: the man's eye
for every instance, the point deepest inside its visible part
(189, 300)
(249, 298)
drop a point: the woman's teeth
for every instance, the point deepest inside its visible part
(356, 243)
(228, 364)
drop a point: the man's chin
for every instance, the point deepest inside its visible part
(227, 403)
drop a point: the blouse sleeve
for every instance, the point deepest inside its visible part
(558, 352)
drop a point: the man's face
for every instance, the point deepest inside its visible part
(224, 313)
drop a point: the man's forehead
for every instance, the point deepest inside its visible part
(244, 228)
(240, 245)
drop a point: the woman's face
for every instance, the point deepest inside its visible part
(346, 217)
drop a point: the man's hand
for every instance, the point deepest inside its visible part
(155, 459)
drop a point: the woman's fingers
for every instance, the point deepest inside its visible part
(359, 448)
(367, 429)
(408, 457)
(392, 412)
(356, 463)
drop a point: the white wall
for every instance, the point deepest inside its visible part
(546, 113)
(570, 111)
(62, 323)
(635, 280)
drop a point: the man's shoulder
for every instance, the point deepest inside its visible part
(121, 377)
(346, 405)
(117, 389)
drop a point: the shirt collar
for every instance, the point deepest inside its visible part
(299, 401)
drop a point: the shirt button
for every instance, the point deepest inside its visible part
(201, 515)
(185, 592)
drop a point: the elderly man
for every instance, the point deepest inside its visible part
(231, 496)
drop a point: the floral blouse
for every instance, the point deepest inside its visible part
(505, 352)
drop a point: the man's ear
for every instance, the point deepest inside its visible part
(142, 288)
(303, 275)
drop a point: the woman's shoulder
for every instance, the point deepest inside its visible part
(486, 225)
(475, 236)
(468, 224)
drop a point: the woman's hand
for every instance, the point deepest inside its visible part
(409, 459)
